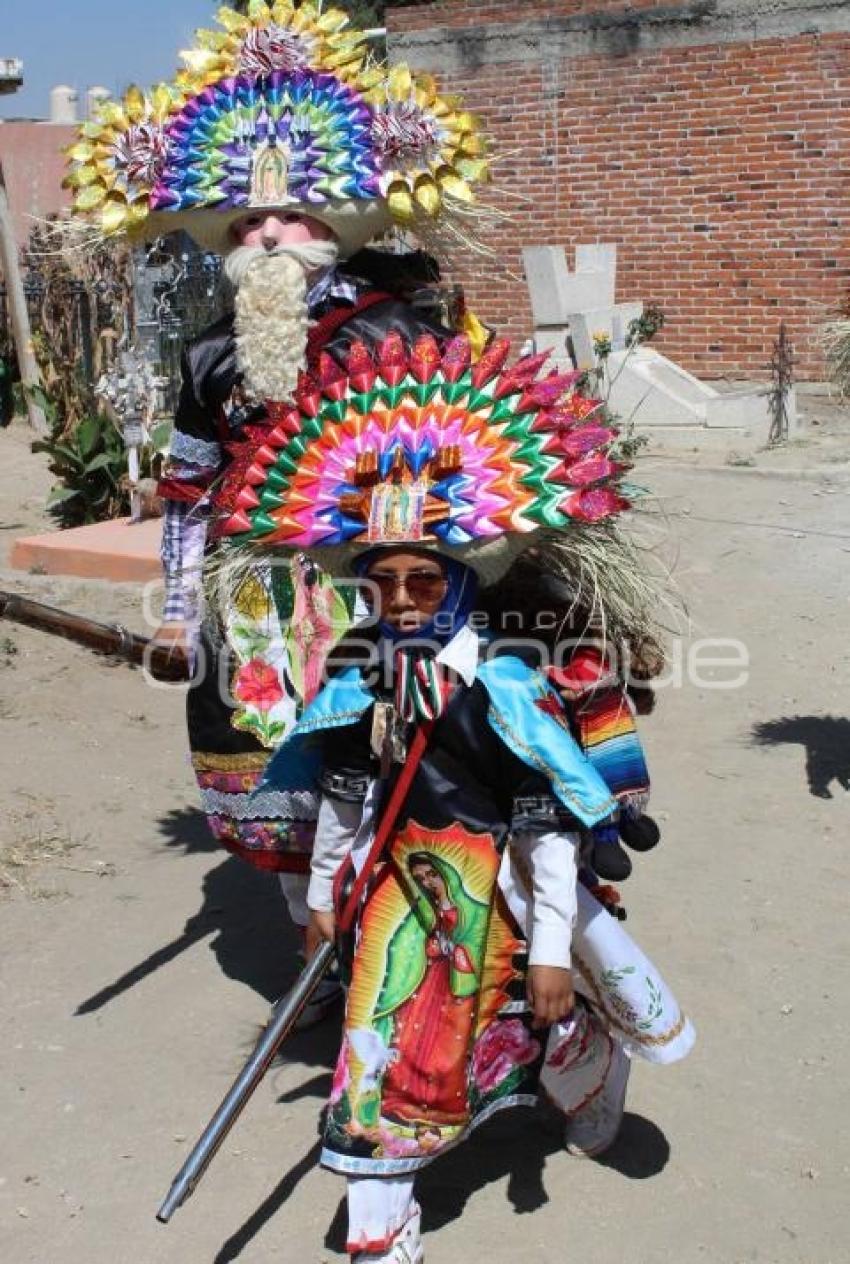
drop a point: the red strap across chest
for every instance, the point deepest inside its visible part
(386, 823)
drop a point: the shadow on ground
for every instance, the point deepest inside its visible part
(241, 911)
(243, 915)
(516, 1146)
(244, 1236)
(826, 741)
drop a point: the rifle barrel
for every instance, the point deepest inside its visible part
(283, 1019)
(165, 662)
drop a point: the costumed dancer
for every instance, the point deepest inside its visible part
(285, 148)
(455, 800)
(465, 949)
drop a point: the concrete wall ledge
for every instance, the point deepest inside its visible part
(620, 33)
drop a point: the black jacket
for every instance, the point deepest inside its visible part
(209, 370)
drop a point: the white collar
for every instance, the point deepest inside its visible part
(461, 654)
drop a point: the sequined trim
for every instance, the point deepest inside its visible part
(530, 756)
(209, 761)
(326, 721)
(298, 805)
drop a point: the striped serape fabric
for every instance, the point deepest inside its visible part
(604, 724)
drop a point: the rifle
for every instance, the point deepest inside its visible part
(283, 1019)
(164, 662)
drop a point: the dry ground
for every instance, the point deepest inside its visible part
(137, 962)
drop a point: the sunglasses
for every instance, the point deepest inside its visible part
(421, 586)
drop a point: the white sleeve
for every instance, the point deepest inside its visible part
(550, 859)
(335, 831)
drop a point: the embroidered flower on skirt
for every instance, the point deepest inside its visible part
(258, 683)
(504, 1046)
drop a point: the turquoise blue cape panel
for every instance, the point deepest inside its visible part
(531, 731)
(529, 717)
(297, 764)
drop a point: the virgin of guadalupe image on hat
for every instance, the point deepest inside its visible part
(281, 107)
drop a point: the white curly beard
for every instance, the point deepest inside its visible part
(271, 313)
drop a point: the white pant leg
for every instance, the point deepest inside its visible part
(294, 887)
(378, 1209)
(614, 975)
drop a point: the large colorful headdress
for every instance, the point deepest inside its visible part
(422, 447)
(281, 107)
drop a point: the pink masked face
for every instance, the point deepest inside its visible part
(269, 229)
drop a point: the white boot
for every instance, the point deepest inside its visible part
(594, 1128)
(407, 1248)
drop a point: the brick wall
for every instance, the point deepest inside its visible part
(720, 169)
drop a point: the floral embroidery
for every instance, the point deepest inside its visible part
(655, 1006)
(258, 683)
(621, 1014)
(262, 686)
(502, 1048)
(277, 838)
(252, 642)
(611, 980)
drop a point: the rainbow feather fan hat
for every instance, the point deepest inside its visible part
(415, 446)
(280, 108)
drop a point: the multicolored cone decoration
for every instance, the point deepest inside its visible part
(279, 107)
(415, 445)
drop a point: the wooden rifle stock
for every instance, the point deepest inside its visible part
(164, 662)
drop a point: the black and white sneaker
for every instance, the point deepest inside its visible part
(327, 997)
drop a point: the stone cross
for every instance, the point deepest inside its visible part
(569, 308)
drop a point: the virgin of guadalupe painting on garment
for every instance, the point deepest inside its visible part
(429, 1027)
(433, 970)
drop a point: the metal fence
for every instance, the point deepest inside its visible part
(177, 292)
(78, 302)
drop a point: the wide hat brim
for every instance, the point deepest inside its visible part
(491, 559)
(354, 224)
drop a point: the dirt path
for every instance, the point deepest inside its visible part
(136, 963)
